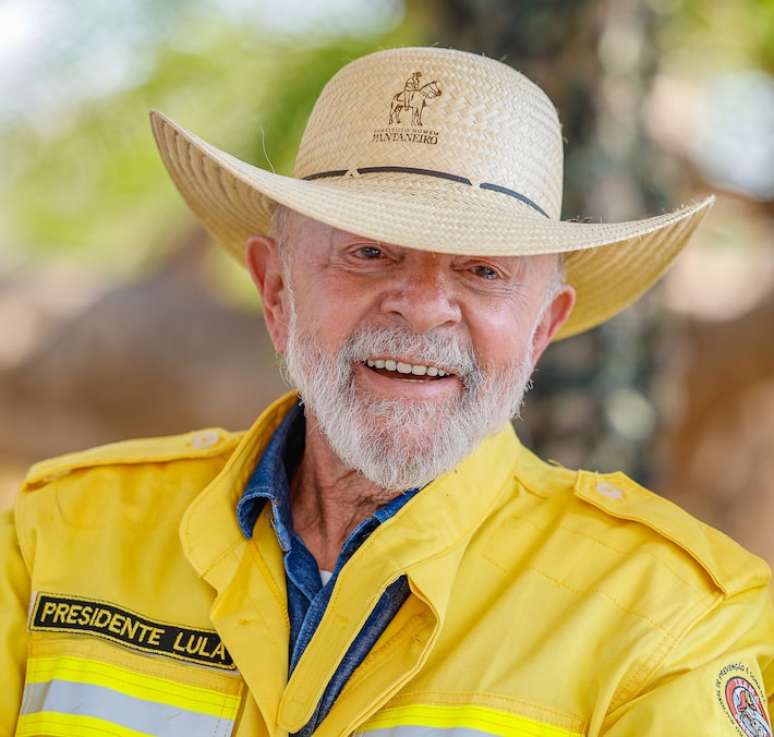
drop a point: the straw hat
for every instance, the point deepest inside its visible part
(463, 158)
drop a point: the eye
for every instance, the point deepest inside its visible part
(368, 253)
(485, 272)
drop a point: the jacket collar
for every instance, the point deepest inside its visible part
(210, 530)
(425, 540)
(447, 509)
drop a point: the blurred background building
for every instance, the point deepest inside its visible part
(119, 319)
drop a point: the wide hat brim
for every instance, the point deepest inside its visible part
(609, 264)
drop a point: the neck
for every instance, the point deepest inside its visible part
(329, 499)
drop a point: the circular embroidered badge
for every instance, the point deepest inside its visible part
(742, 702)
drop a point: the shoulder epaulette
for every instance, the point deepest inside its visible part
(204, 443)
(732, 568)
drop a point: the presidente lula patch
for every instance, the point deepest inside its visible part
(58, 613)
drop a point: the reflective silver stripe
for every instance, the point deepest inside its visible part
(161, 720)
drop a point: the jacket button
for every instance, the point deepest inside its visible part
(608, 490)
(205, 439)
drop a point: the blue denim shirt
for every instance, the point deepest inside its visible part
(307, 597)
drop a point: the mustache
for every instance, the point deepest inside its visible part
(433, 347)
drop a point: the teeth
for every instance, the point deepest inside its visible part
(416, 369)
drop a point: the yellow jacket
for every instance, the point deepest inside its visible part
(544, 602)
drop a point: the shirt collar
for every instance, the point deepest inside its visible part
(446, 511)
(271, 479)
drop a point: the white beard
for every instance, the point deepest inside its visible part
(401, 444)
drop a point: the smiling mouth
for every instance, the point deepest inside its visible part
(399, 370)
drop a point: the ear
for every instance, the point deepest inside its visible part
(554, 316)
(263, 262)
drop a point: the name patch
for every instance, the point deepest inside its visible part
(102, 619)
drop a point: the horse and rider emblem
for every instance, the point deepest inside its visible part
(414, 97)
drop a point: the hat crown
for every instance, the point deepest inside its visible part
(465, 118)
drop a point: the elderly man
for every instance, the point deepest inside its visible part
(378, 554)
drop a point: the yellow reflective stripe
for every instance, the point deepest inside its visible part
(70, 725)
(136, 685)
(466, 716)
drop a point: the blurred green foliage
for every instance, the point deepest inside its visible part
(91, 185)
(709, 37)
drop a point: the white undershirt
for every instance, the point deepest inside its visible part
(325, 576)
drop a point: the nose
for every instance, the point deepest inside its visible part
(423, 297)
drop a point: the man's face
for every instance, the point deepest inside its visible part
(406, 358)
